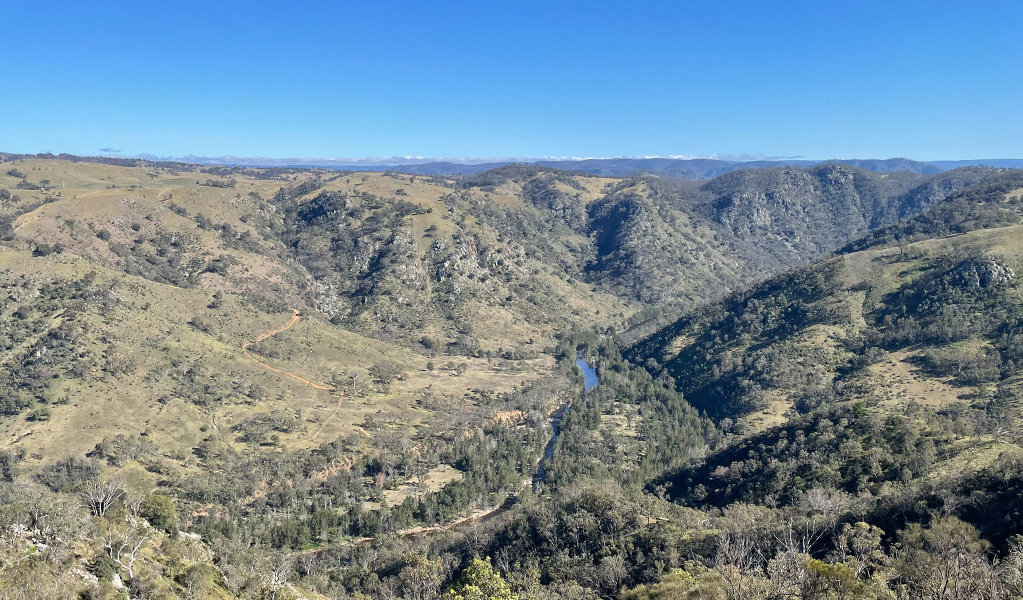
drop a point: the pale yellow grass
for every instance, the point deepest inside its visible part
(436, 478)
(900, 382)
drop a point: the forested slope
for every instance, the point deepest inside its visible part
(875, 394)
(222, 382)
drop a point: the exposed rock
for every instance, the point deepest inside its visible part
(85, 575)
(984, 273)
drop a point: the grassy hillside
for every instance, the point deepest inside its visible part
(300, 382)
(373, 252)
(493, 259)
(889, 375)
(129, 293)
(728, 357)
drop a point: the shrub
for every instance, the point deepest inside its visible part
(159, 510)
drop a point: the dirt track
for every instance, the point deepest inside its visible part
(294, 319)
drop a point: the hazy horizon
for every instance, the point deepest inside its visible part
(485, 160)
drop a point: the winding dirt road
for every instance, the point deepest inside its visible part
(294, 319)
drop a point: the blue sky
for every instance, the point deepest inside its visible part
(927, 80)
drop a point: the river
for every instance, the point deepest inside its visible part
(590, 379)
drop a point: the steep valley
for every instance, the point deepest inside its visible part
(336, 370)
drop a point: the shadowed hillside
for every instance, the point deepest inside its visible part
(231, 382)
(886, 379)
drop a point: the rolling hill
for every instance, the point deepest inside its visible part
(165, 272)
(360, 372)
(888, 372)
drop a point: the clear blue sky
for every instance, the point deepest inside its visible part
(927, 80)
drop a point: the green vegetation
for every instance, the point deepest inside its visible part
(848, 428)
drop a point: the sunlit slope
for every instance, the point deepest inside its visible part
(930, 321)
(415, 261)
(888, 376)
(106, 354)
(125, 310)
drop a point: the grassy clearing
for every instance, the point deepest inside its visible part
(898, 381)
(103, 406)
(435, 479)
(778, 411)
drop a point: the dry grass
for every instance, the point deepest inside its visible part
(898, 382)
(620, 425)
(436, 478)
(149, 320)
(778, 411)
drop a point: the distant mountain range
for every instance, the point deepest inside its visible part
(679, 168)
(673, 167)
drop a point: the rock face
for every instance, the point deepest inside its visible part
(763, 220)
(984, 273)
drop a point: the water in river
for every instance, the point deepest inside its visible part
(589, 374)
(589, 380)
